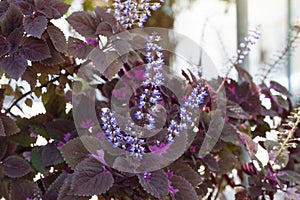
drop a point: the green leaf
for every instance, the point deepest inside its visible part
(65, 192)
(24, 189)
(185, 189)
(15, 167)
(187, 172)
(157, 185)
(74, 152)
(28, 102)
(91, 178)
(51, 155)
(37, 160)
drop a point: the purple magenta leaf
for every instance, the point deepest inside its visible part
(181, 189)
(83, 23)
(13, 19)
(57, 38)
(187, 172)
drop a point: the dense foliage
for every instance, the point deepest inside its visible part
(72, 164)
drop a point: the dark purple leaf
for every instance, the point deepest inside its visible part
(52, 8)
(97, 56)
(56, 57)
(15, 39)
(156, 184)
(4, 46)
(24, 189)
(14, 65)
(60, 7)
(15, 167)
(227, 161)
(91, 178)
(35, 25)
(30, 76)
(79, 49)
(182, 189)
(53, 190)
(57, 38)
(121, 46)
(2, 92)
(74, 152)
(83, 23)
(103, 16)
(9, 126)
(65, 192)
(243, 74)
(104, 29)
(35, 49)
(26, 7)
(51, 155)
(12, 20)
(249, 169)
(211, 163)
(3, 8)
(187, 172)
(3, 146)
(58, 128)
(279, 88)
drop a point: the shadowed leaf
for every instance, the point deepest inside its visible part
(4, 46)
(15, 167)
(53, 190)
(13, 19)
(211, 163)
(24, 189)
(51, 155)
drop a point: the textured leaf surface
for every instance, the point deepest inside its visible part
(53, 190)
(35, 25)
(13, 19)
(78, 48)
(15, 167)
(24, 189)
(14, 65)
(4, 46)
(98, 58)
(74, 152)
(52, 8)
(37, 159)
(185, 189)
(65, 192)
(58, 38)
(15, 39)
(83, 23)
(91, 178)
(157, 185)
(3, 147)
(51, 155)
(55, 59)
(35, 49)
(211, 163)
(186, 172)
(8, 126)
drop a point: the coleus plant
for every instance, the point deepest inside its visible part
(36, 51)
